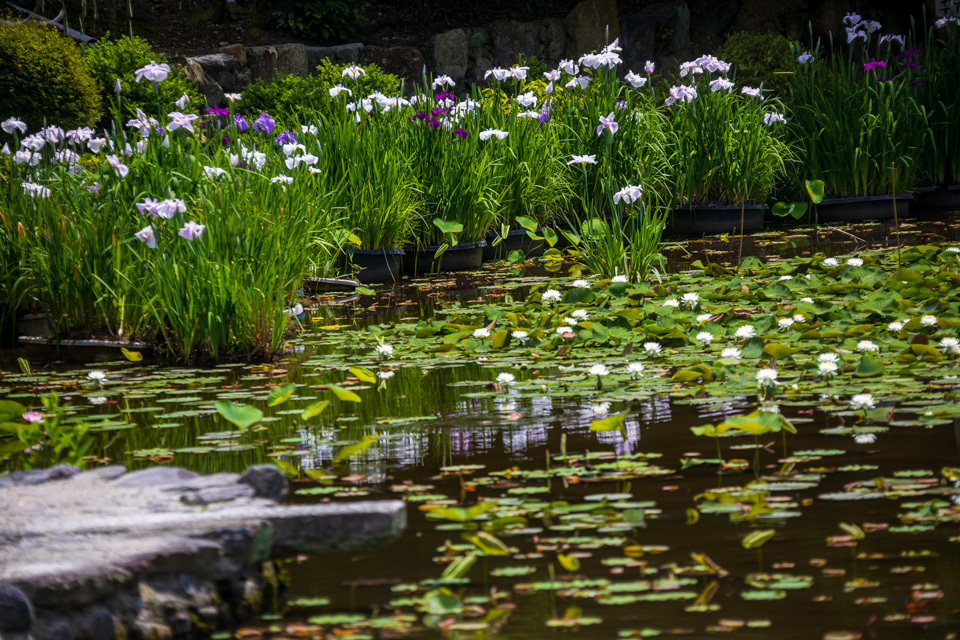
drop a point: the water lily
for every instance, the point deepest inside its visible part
(950, 345)
(481, 333)
(580, 314)
(635, 369)
(766, 377)
(583, 160)
(865, 438)
(600, 408)
(808, 300)
(32, 417)
(96, 400)
(581, 284)
(730, 352)
(827, 368)
(785, 323)
(690, 300)
(505, 378)
(153, 72)
(599, 370)
(895, 327)
(928, 321)
(97, 376)
(652, 348)
(146, 236)
(862, 401)
(703, 317)
(867, 346)
(620, 279)
(798, 317)
(854, 262)
(384, 350)
(385, 374)
(519, 334)
(744, 332)
(830, 262)
(704, 338)
(550, 296)
(564, 330)
(192, 231)
(569, 320)
(671, 302)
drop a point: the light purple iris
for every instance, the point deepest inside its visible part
(608, 122)
(147, 236)
(264, 123)
(182, 121)
(240, 122)
(192, 231)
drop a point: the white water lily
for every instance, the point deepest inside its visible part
(928, 321)
(865, 438)
(895, 327)
(746, 331)
(862, 401)
(96, 400)
(600, 408)
(519, 334)
(386, 374)
(785, 323)
(703, 317)
(671, 302)
(569, 320)
(854, 262)
(867, 346)
(505, 378)
(950, 345)
(97, 375)
(481, 333)
(564, 329)
(619, 279)
(730, 352)
(690, 300)
(704, 338)
(635, 369)
(652, 348)
(384, 349)
(827, 368)
(767, 377)
(799, 317)
(581, 284)
(830, 262)
(599, 370)
(807, 300)
(580, 314)
(550, 296)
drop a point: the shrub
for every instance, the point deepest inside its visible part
(111, 59)
(323, 20)
(759, 58)
(309, 98)
(42, 78)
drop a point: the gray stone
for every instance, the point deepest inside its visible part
(16, 612)
(100, 625)
(542, 39)
(406, 62)
(590, 26)
(217, 494)
(238, 51)
(448, 51)
(339, 54)
(267, 482)
(39, 476)
(111, 472)
(221, 68)
(660, 33)
(155, 477)
(477, 37)
(212, 92)
(267, 63)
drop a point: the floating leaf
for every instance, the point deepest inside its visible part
(242, 415)
(280, 394)
(344, 394)
(132, 356)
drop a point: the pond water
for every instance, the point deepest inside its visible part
(621, 533)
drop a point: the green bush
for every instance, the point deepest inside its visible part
(42, 78)
(323, 20)
(759, 58)
(111, 59)
(309, 98)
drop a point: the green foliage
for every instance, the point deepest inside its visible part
(46, 443)
(42, 78)
(309, 98)
(108, 60)
(759, 58)
(322, 20)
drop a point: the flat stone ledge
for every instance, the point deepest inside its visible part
(80, 546)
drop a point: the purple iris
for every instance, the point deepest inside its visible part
(443, 95)
(461, 133)
(226, 140)
(874, 64)
(94, 188)
(544, 117)
(420, 115)
(240, 122)
(218, 111)
(286, 137)
(264, 123)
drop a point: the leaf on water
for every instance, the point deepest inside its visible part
(363, 374)
(314, 409)
(280, 394)
(756, 539)
(344, 394)
(132, 356)
(242, 415)
(609, 423)
(568, 562)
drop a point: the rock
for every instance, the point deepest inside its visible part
(786, 16)
(155, 477)
(40, 476)
(710, 21)
(406, 62)
(660, 33)
(208, 87)
(16, 612)
(266, 63)
(238, 51)
(448, 51)
(543, 39)
(590, 26)
(339, 54)
(100, 625)
(111, 472)
(267, 482)
(217, 494)
(222, 69)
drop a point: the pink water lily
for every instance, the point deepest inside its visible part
(32, 416)
(192, 231)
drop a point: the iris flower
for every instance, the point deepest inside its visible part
(153, 72)
(14, 124)
(181, 121)
(122, 170)
(583, 160)
(636, 81)
(192, 231)
(627, 195)
(353, 72)
(608, 122)
(147, 236)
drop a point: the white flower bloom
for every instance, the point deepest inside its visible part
(581, 284)
(578, 81)
(214, 172)
(599, 370)
(519, 335)
(767, 377)
(282, 178)
(182, 102)
(746, 331)
(828, 357)
(785, 323)
(505, 378)
(384, 349)
(619, 279)
(690, 300)
(652, 348)
(804, 57)
(564, 329)
(583, 160)
(35, 190)
(493, 133)
(774, 118)
(703, 317)
(854, 262)
(895, 327)
(527, 100)
(721, 84)
(928, 321)
(862, 401)
(827, 368)
(569, 320)
(807, 300)
(600, 408)
(550, 296)
(96, 400)
(580, 314)
(671, 302)
(443, 81)
(799, 317)
(635, 368)
(704, 338)
(950, 345)
(14, 124)
(730, 352)
(867, 346)
(97, 376)
(385, 375)
(830, 262)
(751, 92)
(865, 438)
(629, 194)
(153, 72)
(233, 97)
(649, 67)
(569, 67)
(482, 332)
(353, 72)
(635, 80)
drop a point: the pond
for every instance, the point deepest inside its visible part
(555, 501)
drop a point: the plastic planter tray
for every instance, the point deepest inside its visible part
(863, 208)
(516, 240)
(717, 218)
(466, 256)
(373, 265)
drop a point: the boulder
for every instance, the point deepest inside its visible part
(406, 62)
(660, 33)
(339, 54)
(590, 26)
(542, 39)
(449, 53)
(266, 63)
(222, 69)
(16, 612)
(238, 51)
(267, 482)
(154, 477)
(211, 90)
